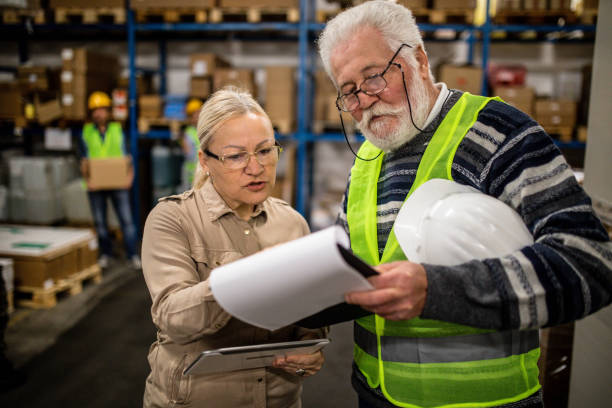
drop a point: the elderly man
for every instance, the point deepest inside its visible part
(465, 335)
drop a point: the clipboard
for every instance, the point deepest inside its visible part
(247, 357)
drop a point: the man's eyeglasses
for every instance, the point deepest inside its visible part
(372, 85)
(239, 159)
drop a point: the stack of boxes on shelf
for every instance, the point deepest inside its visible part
(325, 112)
(203, 68)
(467, 78)
(281, 95)
(83, 72)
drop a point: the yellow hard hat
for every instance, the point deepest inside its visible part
(99, 100)
(193, 105)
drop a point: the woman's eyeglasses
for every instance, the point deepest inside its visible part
(239, 159)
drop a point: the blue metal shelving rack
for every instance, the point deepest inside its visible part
(306, 29)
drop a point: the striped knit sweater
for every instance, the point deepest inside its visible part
(564, 276)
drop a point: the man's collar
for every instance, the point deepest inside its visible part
(217, 207)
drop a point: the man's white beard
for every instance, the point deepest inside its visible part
(390, 138)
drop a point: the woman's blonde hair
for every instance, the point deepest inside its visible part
(223, 105)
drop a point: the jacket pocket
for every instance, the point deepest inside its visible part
(208, 259)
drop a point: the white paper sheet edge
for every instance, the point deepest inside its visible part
(281, 285)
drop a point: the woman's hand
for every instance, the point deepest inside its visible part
(301, 365)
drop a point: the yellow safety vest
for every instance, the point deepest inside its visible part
(112, 145)
(429, 363)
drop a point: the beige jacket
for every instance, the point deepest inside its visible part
(184, 239)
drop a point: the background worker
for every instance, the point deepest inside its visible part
(228, 214)
(463, 335)
(190, 143)
(102, 139)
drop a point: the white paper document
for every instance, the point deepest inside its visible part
(284, 284)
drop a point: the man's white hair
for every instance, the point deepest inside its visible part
(395, 23)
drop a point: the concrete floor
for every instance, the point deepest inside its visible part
(90, 351)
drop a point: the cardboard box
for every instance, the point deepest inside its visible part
(42, 255)
(109, 174)
(520, 97)
(89, 4)
(47, 111)
(260, 3)
(83, 60)
(149, 4)
(509, 5)
(87, 254)
(454, 4)
(11, 105)
(590, 4)
(200, 87)
(150, 106)
(465, 78)
(238, 77)
(555, 112)
(205, 64)
(281, 95)
(529, 5)
(144, 83)
(33, 78)
(560, 5)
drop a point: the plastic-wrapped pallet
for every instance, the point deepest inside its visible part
(8, 273)
(75, 204)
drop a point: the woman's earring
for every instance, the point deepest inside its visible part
(208, 174)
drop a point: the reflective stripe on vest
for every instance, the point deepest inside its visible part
(429, 363)
(112, 145)
(447, 349)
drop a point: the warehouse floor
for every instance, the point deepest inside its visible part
(90, 351)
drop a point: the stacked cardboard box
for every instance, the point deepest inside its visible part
(280, 97)
(202, 68)
(560, 5)
(454, 4)
(325, 99)
(521, 97)
(150, 106)
(84, 72)
(530, 5)
(465, 78)
(260, 3)
(239, 77)
(164, 4)
(509, 5)
(43, 255)
(555, 112)
(11, 104)
(88, 4)
(37, 78)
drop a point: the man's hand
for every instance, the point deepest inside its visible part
(399, 291)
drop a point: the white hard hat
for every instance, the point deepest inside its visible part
(446, 223)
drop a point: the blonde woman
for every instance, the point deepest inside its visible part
(227, 215)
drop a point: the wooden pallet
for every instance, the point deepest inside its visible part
(89, 15)
(14, 16)
(178, 15)
(535, 17)
(173, 125)
(563, 133)
(46, 298)
(254, 14)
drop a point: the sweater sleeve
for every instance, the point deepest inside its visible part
(565, 275)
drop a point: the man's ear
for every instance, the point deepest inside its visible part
(423, 62)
